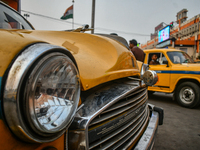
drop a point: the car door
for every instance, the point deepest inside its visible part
(163, 71)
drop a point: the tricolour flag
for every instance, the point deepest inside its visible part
(68, 13)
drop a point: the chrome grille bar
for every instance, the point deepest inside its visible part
(139, 90)
(119, 111)
(104, 139)
(126, 101)
(119, 139)
(133, 136)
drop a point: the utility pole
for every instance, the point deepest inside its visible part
(73, 15)
(93, 16)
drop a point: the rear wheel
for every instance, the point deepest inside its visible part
(187, 94)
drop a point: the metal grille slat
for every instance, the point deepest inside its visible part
(140, 90)
(94, 144)
(121, 123)
(125, 102)
(126, 134)
(118, 111)
(133, 135)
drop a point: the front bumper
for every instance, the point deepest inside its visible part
(146, 142)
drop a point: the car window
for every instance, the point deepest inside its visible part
(153, 58)
(179, 57)
(9, 19)
(163, 60)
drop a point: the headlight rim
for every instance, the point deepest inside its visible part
(15, 119)
(144, 68)
(50, 56)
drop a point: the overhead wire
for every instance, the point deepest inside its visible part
(47, 17)
(122, 32)
(97, 28)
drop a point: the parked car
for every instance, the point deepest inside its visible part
(177, 73)
(71, 90)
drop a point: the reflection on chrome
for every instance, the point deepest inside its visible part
(54, 87)
(50, 112)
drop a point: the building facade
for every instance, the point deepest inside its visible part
(185, 36)
(16, 4)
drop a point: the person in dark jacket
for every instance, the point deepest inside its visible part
(137, 52)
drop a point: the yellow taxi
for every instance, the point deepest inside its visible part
(177, 73)
(71, 90)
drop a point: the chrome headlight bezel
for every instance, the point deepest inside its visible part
(144, 68)
(17, 96)
(149, 77)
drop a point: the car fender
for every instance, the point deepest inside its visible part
(173, 87)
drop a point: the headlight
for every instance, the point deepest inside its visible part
(41, 93)
(149, 77)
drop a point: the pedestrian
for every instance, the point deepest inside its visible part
(137, 52)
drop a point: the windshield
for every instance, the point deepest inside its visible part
(179, 57)
(9, 19)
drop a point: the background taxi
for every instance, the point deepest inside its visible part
(177, 73)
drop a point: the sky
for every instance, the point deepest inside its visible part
(131, 19)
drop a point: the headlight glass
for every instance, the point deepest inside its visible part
(52, 90)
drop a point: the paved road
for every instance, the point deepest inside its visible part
(181, 128)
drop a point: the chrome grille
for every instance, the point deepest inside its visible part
(121, 124)
(111, 116)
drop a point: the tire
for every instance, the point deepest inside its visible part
(187, 94)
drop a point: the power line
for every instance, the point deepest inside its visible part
(47, 17)
(98, 28)
(131, 33)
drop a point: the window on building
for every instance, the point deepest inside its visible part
(179, 16)
(184, 49)
(184, 14)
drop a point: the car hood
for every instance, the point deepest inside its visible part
(99, 59)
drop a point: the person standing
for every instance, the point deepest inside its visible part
(137, 52)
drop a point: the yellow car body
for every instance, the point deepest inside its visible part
(172, 72)
(97, 64)
(84, 75)
(99, 59)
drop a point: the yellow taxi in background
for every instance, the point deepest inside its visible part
(177, 73)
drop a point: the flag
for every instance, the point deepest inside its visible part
(68, 13)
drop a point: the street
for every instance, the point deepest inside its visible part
(181, 126)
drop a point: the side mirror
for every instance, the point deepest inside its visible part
(166, 62)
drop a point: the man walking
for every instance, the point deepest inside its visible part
(137, 52)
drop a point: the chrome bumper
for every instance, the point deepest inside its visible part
(146, 142)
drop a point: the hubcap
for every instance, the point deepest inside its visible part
(187, 95)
